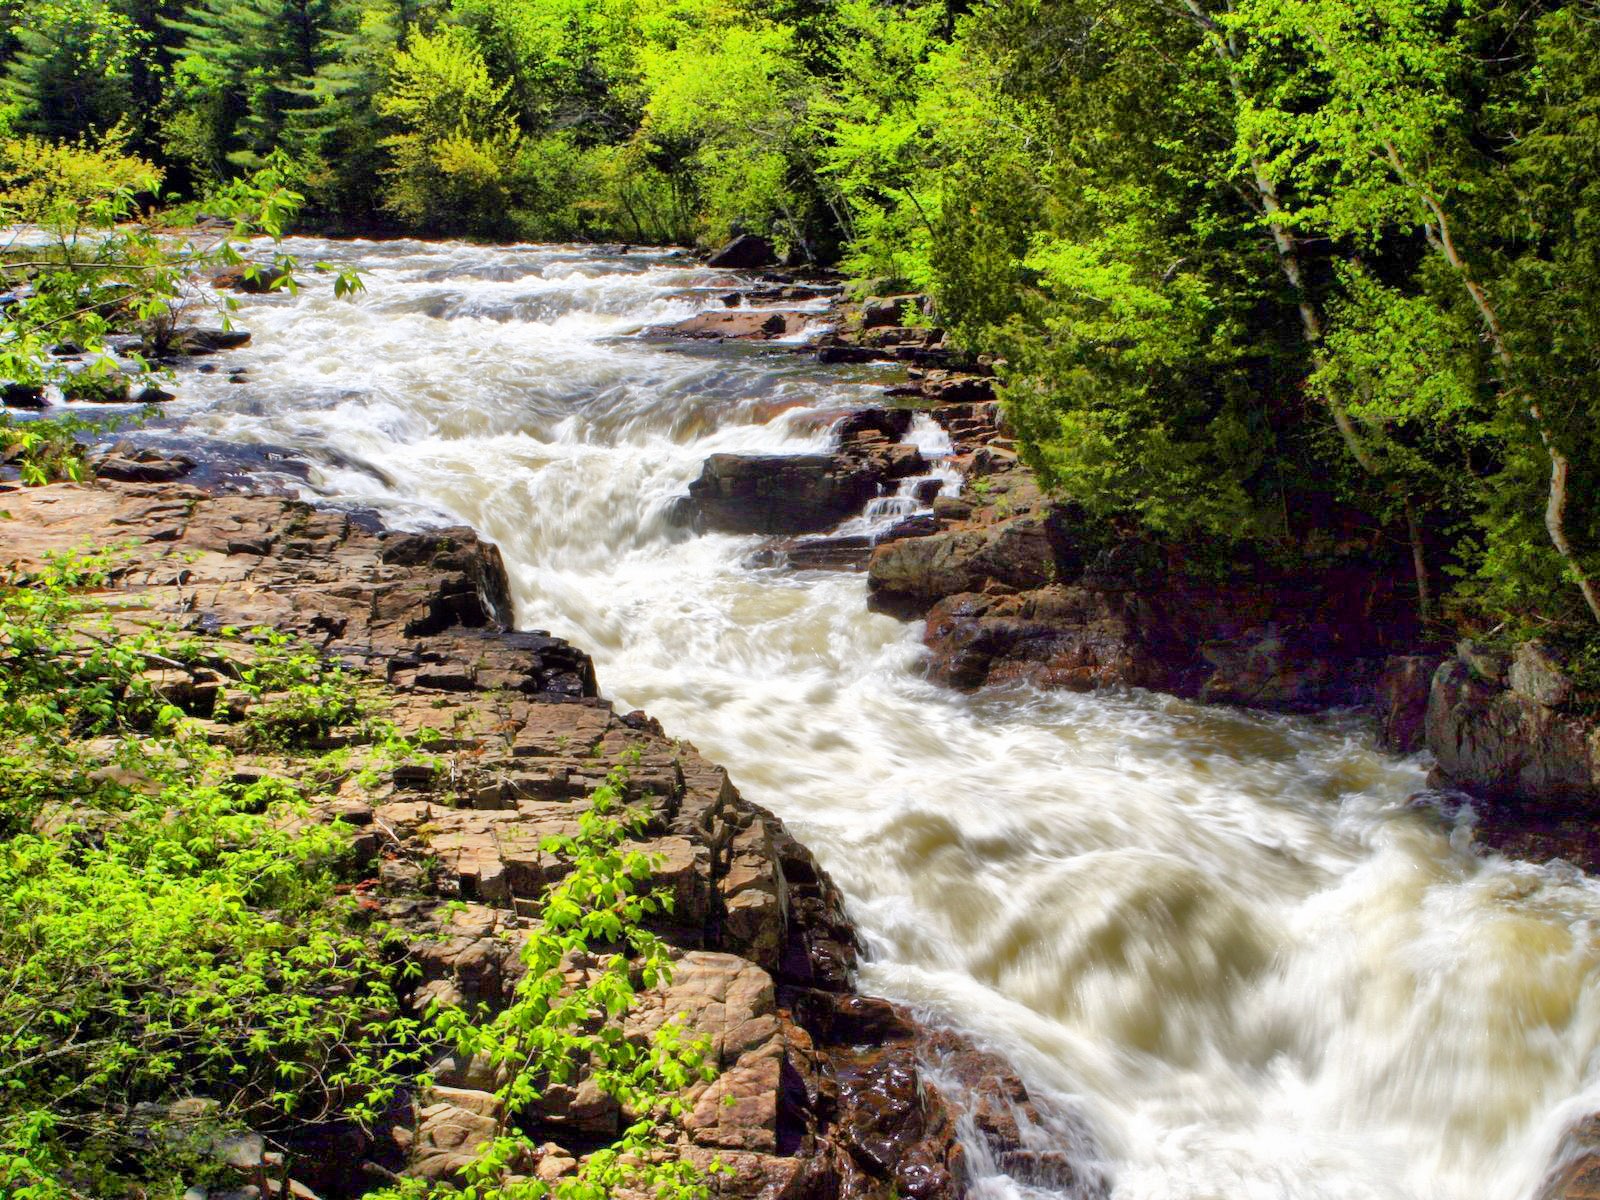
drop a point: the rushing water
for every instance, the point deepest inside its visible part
(1229, 941)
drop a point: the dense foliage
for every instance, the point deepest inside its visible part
(1275, 274)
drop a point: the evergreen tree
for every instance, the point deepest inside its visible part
(69, 73)
(244, 69)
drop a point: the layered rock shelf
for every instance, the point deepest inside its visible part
(822, 1092)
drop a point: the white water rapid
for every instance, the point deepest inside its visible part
(1225, 939)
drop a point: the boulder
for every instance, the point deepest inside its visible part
(779, 494)
(1497, 741)
(194, 341)
(128, 465)
(833, 353)
(21, 395)
(892, 423)
(880, 311)
(451, 1129)
(1577, 1173)
(912, 574)
(1402, 701)
(251, 278)
(1539, 673)
(743, 253)
(1056, 637)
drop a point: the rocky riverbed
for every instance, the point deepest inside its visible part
(822, 1092)
(1016, 587)
(1174, 920)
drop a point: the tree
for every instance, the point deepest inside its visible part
(70, 70)
(455, 153)
(242, 75)
(1386, 150)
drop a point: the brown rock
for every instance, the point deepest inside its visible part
(1403, 701)
(745, 324)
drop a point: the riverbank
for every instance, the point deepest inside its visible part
(1014, 586)
(822, 1093)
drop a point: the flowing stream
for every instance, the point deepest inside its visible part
(1231, 942)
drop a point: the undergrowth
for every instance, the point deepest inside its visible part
(175, 930)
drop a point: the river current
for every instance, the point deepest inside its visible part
(1232, 943)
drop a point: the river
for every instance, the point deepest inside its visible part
(1232, 942)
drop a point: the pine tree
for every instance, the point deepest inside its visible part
(69, 73)
(244, 62)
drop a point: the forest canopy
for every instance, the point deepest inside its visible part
(1269, 277)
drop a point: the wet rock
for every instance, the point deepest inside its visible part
(837, 352)
(241, 278)
(1402, 701)
(745, 252)
(846, 553)
(151, 394)
(891, 423)
(1577, 1173)
(779, 494)
(746, 324)
(193, 340)
(1074, 638)
(21, 395)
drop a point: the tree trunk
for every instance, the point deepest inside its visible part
(1419, 563)
(1555, 510)
(1283, 239)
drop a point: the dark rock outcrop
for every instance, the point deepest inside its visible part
(194, 341)
(878, 312)
(807, 493)
(739, 493)
(1402, 701)
(745, 252)
(21, 395)
(1509, 726)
